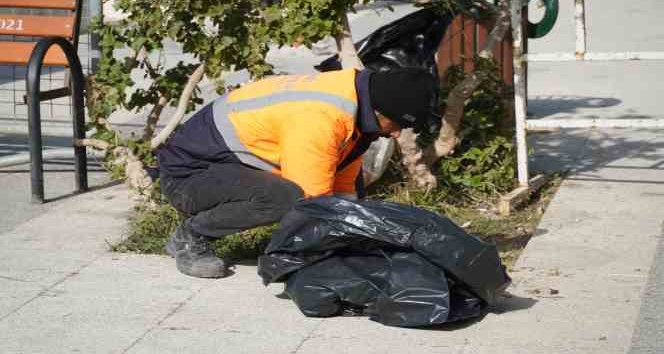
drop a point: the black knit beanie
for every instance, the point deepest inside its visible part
(406, 96)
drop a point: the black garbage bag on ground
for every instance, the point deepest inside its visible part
(408, 42)
(397, 264)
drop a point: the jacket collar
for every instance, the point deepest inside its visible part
(367, 122)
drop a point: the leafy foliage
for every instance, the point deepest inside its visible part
(227, 36)
(483, 164)
(484, 161)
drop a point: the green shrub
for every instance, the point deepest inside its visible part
(483, 165)
(149, 228)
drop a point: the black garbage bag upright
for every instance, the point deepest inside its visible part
(409, 42)
(397, 264)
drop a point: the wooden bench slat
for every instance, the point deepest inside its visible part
(40, 4)
(18, 53)
(37, 26)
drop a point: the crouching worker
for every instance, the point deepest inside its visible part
(245, 159)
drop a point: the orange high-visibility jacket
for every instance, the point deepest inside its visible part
(300, 127)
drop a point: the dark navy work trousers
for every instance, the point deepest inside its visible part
(228, 198)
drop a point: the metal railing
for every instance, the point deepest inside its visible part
(581, 54)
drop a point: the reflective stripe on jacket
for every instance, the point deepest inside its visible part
(298, 126)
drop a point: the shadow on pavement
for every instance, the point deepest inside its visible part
(503, 305)
(583, 152)
(545, 106)
(91, 189)
(510, 303)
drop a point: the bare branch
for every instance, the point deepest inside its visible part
(381, 150)
(194, 79)
(456, 101)
(346, 47)
(153, 118)
(153, 70)
(499, 30)
(94, 143)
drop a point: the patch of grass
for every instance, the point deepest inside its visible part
(149, 228)
(245, 245)
(152, 224)
(510, 234)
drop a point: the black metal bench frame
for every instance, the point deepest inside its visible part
(33, 99)
(34, 96)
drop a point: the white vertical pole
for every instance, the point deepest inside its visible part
(580, 19)
(519, 93)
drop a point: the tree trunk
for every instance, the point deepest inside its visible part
(411, 155)
(457, 98)
(137, 178)
(346, 47)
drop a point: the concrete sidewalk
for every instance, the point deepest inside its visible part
(579, 286)
(591, 281)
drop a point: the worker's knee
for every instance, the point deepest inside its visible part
(274, 200)
(285, 196)
(291, 193)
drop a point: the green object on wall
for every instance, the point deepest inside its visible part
(545, 25)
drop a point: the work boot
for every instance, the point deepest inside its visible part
(177, 240)
(194, 256)
(170, 245)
